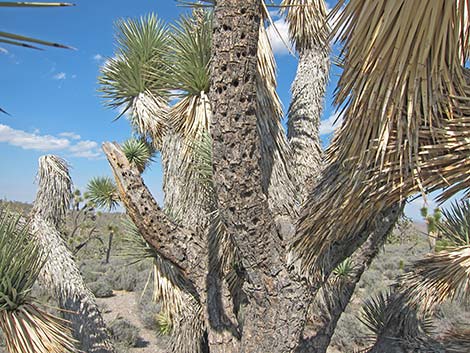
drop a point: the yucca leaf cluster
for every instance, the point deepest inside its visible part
(138, 64)
(25, 326)
(102, 192)
(21, 261)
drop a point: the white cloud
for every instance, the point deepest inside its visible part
(278, 35)
(329, 125)
(3, 51)
(85, 149)
(71, 135)
(60, 76)
(98, 57)
(32, 141)
(48, 143)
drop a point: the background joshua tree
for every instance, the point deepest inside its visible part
(432, 225)
(102, 192)
(247, 268)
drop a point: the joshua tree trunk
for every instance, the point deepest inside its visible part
(274, 313)
(60, 273)
(110, 243)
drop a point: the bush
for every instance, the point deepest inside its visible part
(101, 288)
(124, 333)
(149, 311)
(122, 279)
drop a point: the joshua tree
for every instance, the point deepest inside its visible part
(102, 192)
(432, 225)
(244, 259)
(60, 273)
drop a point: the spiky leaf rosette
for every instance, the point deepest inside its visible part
(389, 309)
(404, 94)
(26, 327)
(189, 59)
(456, 224)
(438, 277)
(134, 79)
(102, 192)
(54, 191)
(138, 152)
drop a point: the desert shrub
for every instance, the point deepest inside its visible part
(149, 310)
(101, 288)
(124, 333)
(92, 269)
(122, 278)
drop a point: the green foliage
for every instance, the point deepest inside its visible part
(164, 324)
(26, 327)
(424, 212)
(135, 247)
(344, 269)
(138, 152)
(138, 65)
(189, 58)
(21, 260)
(375, 312)
(102, 192)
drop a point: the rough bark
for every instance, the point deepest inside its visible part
(308, 91)
(176, 244)
(336, 294)
(238, 184)
(62, 276)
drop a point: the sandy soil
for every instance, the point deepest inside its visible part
(124, 304)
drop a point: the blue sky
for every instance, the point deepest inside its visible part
(52, 94)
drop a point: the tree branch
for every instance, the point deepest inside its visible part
(336, 294)
(308, 90)
(181, 247)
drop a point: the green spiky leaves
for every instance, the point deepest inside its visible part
(133, 80)
(20, 262)
(139, 153)
(26, 327)
(102, 192)
(191, 40)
